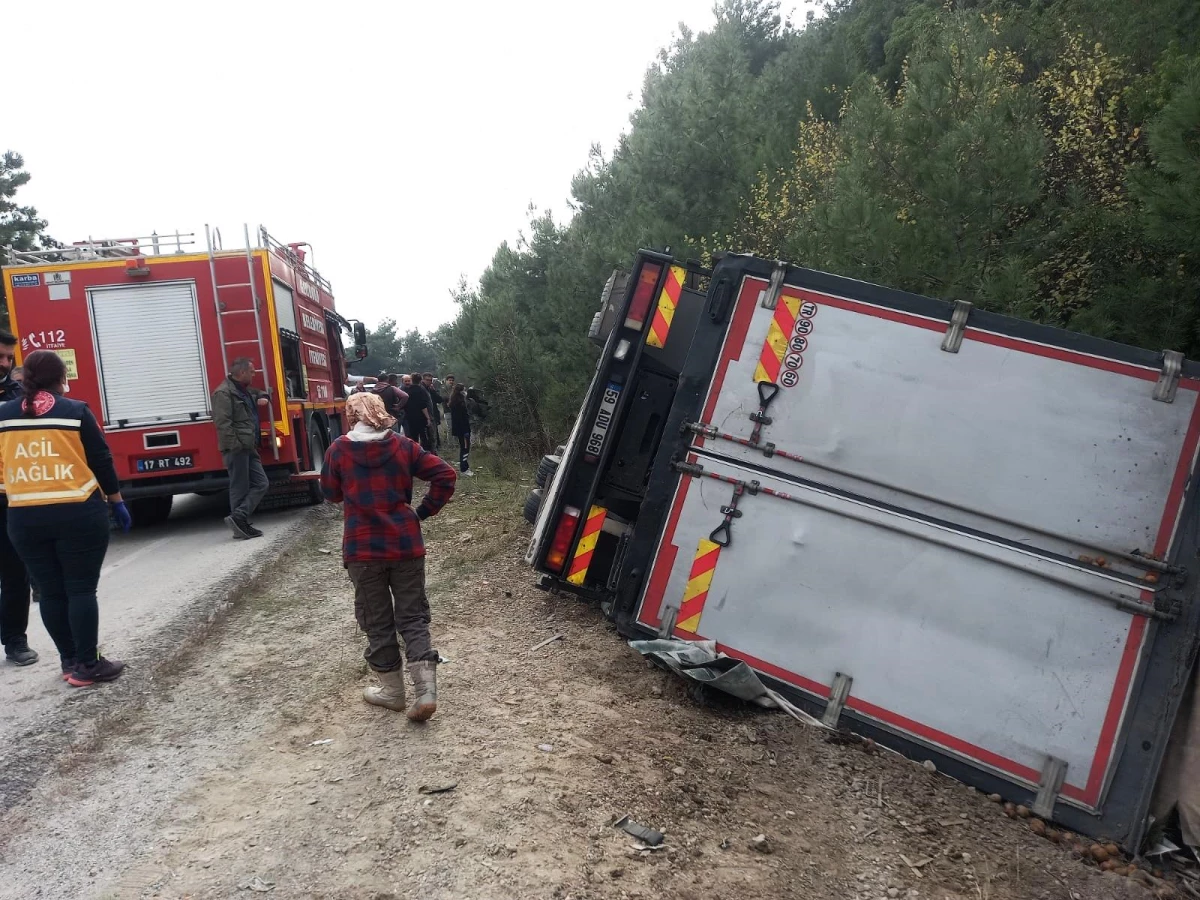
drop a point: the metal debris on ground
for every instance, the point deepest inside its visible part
(321, 743)
(647, 836)
(437, 788)
(549, 640)
(701, 662)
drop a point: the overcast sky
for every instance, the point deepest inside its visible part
(403, 140)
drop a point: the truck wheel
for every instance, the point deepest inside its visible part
(316, 446)
(532, 504)
(546, 468)
(150, 511)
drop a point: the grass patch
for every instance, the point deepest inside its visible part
(483, 520)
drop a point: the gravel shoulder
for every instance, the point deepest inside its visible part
(251, 765)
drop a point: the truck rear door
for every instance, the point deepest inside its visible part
(962, 533)
(596, 494)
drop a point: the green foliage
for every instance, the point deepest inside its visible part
(1039, 157)
(20, 227)
(388, 351)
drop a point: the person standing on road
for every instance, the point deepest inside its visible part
(418, 418)
(235, 413)
(14, 579)
(58, 471)
(460, 427)
(370, 471)
(436, 402)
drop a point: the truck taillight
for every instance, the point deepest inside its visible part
(556, 558)
(643, 294)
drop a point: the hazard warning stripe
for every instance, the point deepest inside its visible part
(586, 546)
(699, 580)
(776, 345)
(667, 301)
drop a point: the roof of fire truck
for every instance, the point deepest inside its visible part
(166, 245)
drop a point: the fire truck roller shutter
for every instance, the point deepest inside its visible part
(148, 344)
(285, 308)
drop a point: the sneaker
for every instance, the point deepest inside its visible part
(251, 530)
(20, 654)
(68, 666)
(469, 473)
(238, 528)
(87, 674)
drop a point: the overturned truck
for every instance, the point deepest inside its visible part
(969, 537)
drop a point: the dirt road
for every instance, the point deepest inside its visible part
(157, 584)
(252, 766)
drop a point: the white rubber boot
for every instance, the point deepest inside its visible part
(390, 693)
(424, 679)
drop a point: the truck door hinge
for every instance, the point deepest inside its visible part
(839, 693)
(1168, 380)
(958, 326)
(770, 297)
(1054, 772)
(666, 625)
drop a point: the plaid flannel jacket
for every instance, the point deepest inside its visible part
(374, 481)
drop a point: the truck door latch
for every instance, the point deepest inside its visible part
(1168, 381)
(958, 326)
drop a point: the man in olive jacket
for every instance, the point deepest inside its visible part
(235, 413)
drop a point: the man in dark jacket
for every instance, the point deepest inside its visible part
(235, 413)
(436, 403)
(418, 415)
(370, 471)
(14, 579)
(387, 388)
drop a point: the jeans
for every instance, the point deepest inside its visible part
(14, 589)
(64, 561)
(464, 452)
(390, 597)
(247, 482)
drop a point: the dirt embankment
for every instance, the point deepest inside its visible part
(255, 768)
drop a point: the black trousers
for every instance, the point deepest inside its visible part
(65, 562)
(464, 452)
(14, 588)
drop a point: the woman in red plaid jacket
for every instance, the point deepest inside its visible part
(370, 471)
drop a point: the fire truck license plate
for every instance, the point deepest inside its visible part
(166, 463)
(608, 405)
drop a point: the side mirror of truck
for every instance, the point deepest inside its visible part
(360, 340)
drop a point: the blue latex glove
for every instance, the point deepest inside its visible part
(121, 513)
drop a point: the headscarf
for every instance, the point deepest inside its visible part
(369, 409)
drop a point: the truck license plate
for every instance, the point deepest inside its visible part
(166, 463)
(608, 406)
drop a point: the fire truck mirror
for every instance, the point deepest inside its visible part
(360, 340)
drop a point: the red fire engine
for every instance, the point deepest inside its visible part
(148, 329)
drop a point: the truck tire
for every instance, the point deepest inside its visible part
(150, 511)
(546, 468)
(317, 447)
(532, 504)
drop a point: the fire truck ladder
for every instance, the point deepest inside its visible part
(222, 312)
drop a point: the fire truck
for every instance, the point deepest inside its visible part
(148, 328)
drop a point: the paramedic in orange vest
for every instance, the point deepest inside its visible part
(58, 471)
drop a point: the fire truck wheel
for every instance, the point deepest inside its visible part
(532, 504)
(316, 446)
(150, 511)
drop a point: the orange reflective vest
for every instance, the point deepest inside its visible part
(43, 461)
